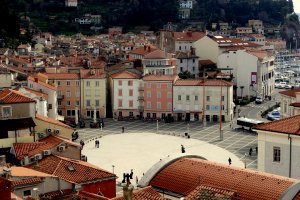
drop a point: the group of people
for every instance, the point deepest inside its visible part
(97, 143)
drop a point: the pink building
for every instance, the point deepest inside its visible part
(158, 95)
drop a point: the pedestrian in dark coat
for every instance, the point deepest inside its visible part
(229, 161)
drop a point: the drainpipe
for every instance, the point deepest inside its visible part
(290, 163)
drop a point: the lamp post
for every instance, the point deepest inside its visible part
(113, 169)
(245, 160)
(157, 126)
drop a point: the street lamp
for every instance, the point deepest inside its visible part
(157, 126)
(113, 169)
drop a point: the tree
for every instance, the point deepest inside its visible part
(185, 75)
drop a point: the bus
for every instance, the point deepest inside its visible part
(246, 122)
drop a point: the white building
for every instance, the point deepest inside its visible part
(126, 97)
(253, 71)
(278, 147)
(188, 100)
(289, 103)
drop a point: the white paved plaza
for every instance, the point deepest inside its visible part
(140, 151)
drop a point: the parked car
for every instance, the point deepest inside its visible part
(288, 87)
(277, 85)
(259, 100)
(282, 85)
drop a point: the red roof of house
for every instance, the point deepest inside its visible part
(90, 196)
(146, 193)
(52, 121)
(37, 93)
(73, 171)
(290, 93)
(125, 74)
(152, 77)
(185, 174)
(209, 192)
(30, 149)
(26, 182)
(42, 83)
(92, 73)
(188, 36)
(261, 54)
(206, 62)
(295, 104)
(199, 82)
(158, 54)
(258, 35)
(288, 125)
(9, 96)
(143, 50)
(56, 193)
(63, 76)
(224, 41)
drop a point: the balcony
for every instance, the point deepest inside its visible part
(141, 108)
(60, 97)
(160, 66)
(141, 98)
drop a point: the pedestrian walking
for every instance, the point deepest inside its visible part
(250, 151)
(96, 144)
(256, 150)
(82, 143)
(182, 149)
(229, 161)
(136, 180)
(123, 129)
(131, 174)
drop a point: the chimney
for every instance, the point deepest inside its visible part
(36, 79)
(189, 33)
(149, 49)
(127, 189)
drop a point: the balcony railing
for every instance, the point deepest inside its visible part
(141, 98)
(60, 96)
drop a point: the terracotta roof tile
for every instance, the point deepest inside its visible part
(184, 175)
(42, 83)
(90, 196)
(92, 73)
(199, 82)
(146, 193)
(291, 93)
(153, 77)
(125, 74)
(63, 76)
(26, 172)
(52, 121)
(26, 182)
(143, 50)
(56, 193)
(157, 54)
(9, 96)
(37, 93)
(209, 192)
(83, 171)
(188, 36)
(206, 62)
(286, 125)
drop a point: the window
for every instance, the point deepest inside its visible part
(120, 82)
(120, 103)
(88, 92)
(158, 105)
(6, 111)
(148, 94)
(88, 84)
(59, 103)
(158, 95)
(27, 193)
(58, 83)
(187, 97)
(77, 83)
(130, 114)
(68, 103)
(180, 60)
(88, 102)
(158, 85)
(69, 113)
(179, 97)
(193, 69)
(169, 105)
(68, 93)
(68, 83)
(97, 92)
(169, 95)
(223, 98)
(193, 60)
(187, 107)
(120, 92)
(58, 93)
(131, 93)
(148, 115)
(207, 98)
(131, 103)
(181, 69)
(97, 102)
(207, 107)
(130, 83)
(97, 83)
(77, 103)
(77, 93)
(179, 47)
(196, 98)
(169, 85)
(276, 154)
(148, 104)
(148, 85)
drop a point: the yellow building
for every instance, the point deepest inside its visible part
(93, 93)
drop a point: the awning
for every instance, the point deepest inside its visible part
(16, 124)
(196, 112)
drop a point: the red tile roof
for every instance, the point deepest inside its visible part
(9, 96)
(158, 54)
(83, 172)
(42, 83)
(290, 93)
(295, 104)
(25, 172)
(146, 193)
(185, 174)
(90, 196)
(88, 73)
(52, 121)
(261, 54)
(206, 62)
(143, 50)
(56, 193)
(288, 125)
(30, 149)
(63, 76)
(125, 74)
(26, 182)
(37, 93)
(226, 42)
(153, 77)
(188, 36)
(209, 192)
(199, 82)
